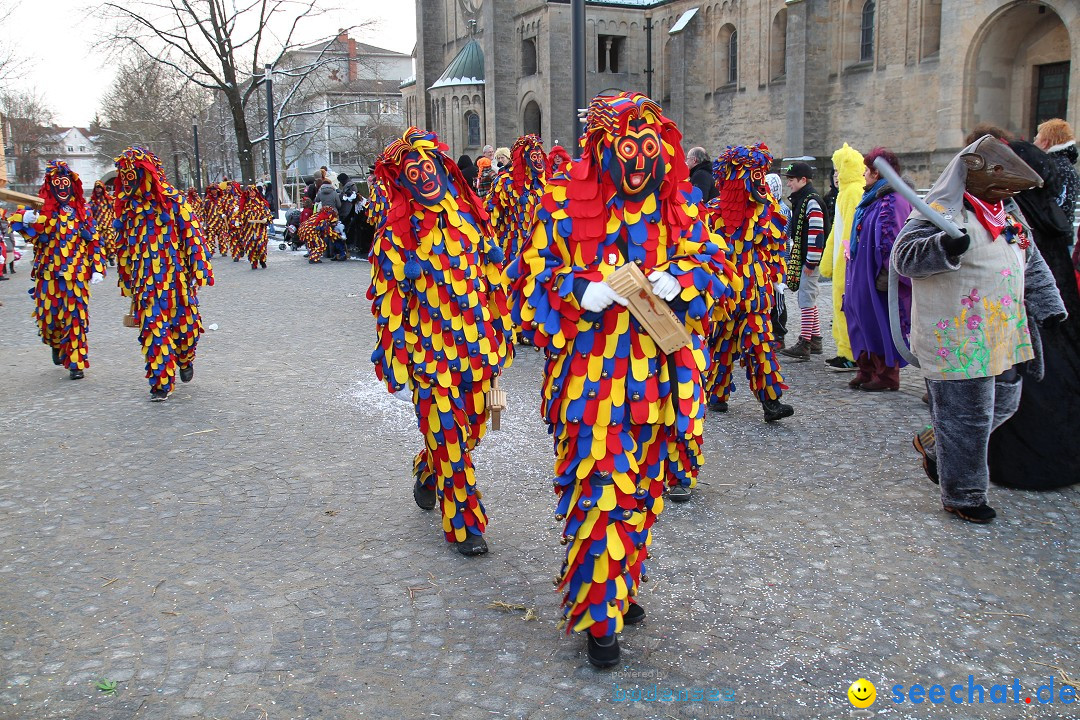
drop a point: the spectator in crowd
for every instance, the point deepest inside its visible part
(1056, 139)
(701, 175)
(465, 165)
(489, 153)
(327, 196)
(485, 176)
(348, 205)
(808, 229)
(502, 158)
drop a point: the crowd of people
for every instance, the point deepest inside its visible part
(645, 276)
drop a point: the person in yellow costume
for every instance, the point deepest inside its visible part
(848, 163)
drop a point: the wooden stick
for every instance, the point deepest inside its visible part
(21, 198)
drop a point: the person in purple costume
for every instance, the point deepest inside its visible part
(878, 219)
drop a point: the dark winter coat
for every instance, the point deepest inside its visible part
(701, 177)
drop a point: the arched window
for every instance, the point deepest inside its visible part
(528, 56)
(532, 118)
(866, 39)
(778, 46)
(472, 125)
(733, 57)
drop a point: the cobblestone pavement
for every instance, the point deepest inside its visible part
(250, 549)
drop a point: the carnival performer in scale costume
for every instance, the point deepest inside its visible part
(214, 221)
(68, 258)
(627, 418)
(514, 196)
(164, 263)
(441, 320)
(101, 204)
(254, 217)
(317, 231)
(747, 216)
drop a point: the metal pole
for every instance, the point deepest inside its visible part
(648, 57)
(577, 42)
(198, 164)
(269, 78)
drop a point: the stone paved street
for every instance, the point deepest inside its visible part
(250, 549)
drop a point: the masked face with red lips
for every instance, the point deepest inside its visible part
(637, 166)
(425, 178)
(538, 162)
(61, 189)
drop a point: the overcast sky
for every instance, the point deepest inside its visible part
(56, 38)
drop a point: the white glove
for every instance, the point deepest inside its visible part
(665, 285)
(29, 216)
(339, 229)
(779, 286)
(350, 197)
(404, 394)
(599, 296)
(96, 278)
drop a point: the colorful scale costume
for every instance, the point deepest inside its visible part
(67, 254)
(215, 221)
(164, 262)
(441, 314)
(254, 218)
(234, 193)
(747, 216)
(514, 196)
(316, 231)
(101, 203)
(627, 419)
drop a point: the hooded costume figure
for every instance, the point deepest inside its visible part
(68, 258)
(626, 418)
(442, 322)
(162, 261)
(214, 220)
(255, 216)
(558, 160)
(976, 300)
(1034, 449)
(101, 204)
(512, 201)
(834, 258)
(751, 221)
(318, 231)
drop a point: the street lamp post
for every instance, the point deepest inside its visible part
(577, 42)
(198, 164)
(269, 79)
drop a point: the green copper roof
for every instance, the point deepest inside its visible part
(467, 68)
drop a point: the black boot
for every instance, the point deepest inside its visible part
(159, 395)
(680, 494)
(718, 405)
(472, 545)
(56, 357)
(776, 410)
(425, 497)
(75, 374)
(603, 652)
(633, 615)
(186, 373)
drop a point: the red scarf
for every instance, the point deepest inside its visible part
(990, 215)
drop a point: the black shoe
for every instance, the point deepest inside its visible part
(979, 515)
(798, 351)
(924, 443)
(425, 497)
(56, 357)
(776, 410)
(75, 374)
(159, 395)
(472, 545)
(604, 652)
(633, 615)
(680, 494)
(186, 373)
(4, 277)
(236, 259)
(840, 364)
(262, 263)
(815, 344)
(718, 405)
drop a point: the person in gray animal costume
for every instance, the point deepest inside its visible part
(977, 302)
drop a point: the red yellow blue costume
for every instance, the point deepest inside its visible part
(442, 320)
(162, 253)
(214, 221)
(254, 218)
(514, 196)
(68, 257)
(315, 233)
(237, 233)
(627, 418)
(101, 204)
(747, 216)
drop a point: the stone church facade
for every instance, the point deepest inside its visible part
(804, 76)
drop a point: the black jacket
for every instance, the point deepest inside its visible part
(701, 178)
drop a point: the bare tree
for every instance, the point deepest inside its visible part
(29, 132)
(11, 62)
(220, 45)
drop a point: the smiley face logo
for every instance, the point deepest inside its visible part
(862, 693)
